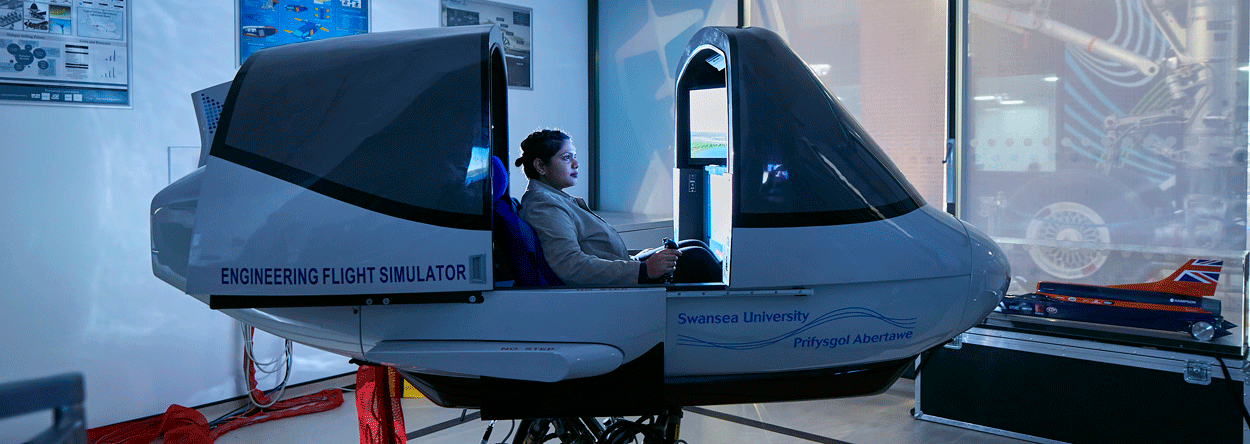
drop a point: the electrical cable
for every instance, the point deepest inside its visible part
(486, 437)
(247, 346)
(511, 429)
(1245, 415)
(281, 388)
(925, 357)
(244, 411)
(625, 431)
(249, 359)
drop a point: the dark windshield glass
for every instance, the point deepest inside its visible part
(803, 159)
(395, 122)
(833, 168)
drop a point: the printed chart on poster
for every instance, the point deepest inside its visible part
(513, 20)
(74, 52)
(266, 23)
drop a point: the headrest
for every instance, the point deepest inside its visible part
(499, 178)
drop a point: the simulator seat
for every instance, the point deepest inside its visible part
(518, 252)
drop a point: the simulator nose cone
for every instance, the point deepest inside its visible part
(991, 274)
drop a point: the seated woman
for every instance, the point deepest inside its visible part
(581, 248)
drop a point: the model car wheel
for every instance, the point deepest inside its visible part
(1202, 330)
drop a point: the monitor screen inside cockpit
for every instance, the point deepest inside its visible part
(709, 125)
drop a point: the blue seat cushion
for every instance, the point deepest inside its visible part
(516, 239)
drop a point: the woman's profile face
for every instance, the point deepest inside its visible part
(560, 171)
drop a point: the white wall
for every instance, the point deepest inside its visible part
(77, 286)
(640, 49)
(559, 97)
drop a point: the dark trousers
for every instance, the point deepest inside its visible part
(696, 263)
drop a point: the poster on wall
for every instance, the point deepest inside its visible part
(65, 52)
(266, 23)
(513, 20)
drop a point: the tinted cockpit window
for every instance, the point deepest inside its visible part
(804, 160)
(836, 170)
(382, 131)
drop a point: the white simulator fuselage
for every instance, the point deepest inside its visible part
(345, 203)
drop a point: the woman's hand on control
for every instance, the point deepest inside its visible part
(662, 262)
(647, 251)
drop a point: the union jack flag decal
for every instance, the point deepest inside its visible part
(1198, 277)
(1202, 277)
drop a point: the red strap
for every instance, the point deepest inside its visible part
(142, 431)
(185, 426)
(303, 405)
(181, 425)
(378, 407)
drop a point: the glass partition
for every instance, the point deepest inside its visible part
(1103, 142)
(885, 61)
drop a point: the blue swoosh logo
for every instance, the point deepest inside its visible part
(836, 315)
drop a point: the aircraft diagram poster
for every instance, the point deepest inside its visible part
(266, 23)
(513, 20)
(74, 52)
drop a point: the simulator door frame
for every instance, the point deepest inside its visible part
(703, 185)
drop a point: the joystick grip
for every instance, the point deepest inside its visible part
(669, 244)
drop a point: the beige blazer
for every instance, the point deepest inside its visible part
(581, 248)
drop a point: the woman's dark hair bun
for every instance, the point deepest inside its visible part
(541, 144)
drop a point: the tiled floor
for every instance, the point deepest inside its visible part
(884, 418)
